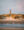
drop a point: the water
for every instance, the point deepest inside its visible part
(12, 25)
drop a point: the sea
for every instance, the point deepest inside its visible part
(12, 25)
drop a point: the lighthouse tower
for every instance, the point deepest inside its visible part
(10, 12)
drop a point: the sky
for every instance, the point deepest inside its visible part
(16, 6)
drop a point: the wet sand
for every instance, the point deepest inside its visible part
(11, 28)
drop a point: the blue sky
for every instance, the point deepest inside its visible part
(17, 5)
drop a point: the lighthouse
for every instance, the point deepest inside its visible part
(10, 13)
